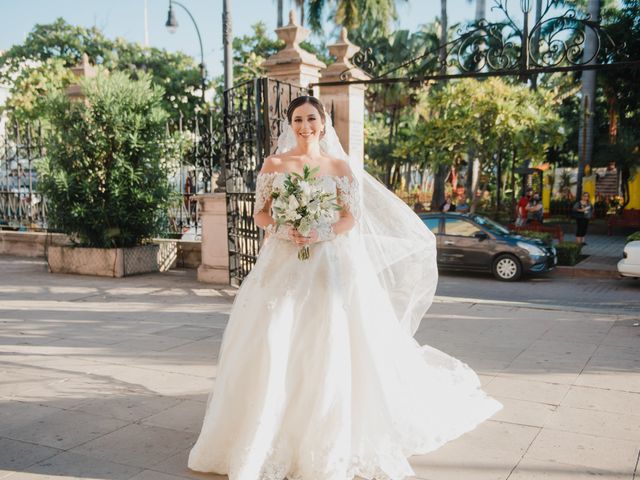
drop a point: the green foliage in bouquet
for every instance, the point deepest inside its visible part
(105, 172)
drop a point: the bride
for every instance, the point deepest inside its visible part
(319, 375)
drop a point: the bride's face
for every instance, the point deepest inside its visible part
(307, 124)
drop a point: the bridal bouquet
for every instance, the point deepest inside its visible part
(301, 203)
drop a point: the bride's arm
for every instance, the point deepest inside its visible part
(349, 199)
(262, 209)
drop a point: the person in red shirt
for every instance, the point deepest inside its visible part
(521, 213)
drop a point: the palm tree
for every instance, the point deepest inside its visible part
(280, 13)
(352, 13)
(442, 171)
(300, 6)
(481, 9)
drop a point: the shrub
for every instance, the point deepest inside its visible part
(104, 175)
(633, 237)
(544, 236)
(568, 253)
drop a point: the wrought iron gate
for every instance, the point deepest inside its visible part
(21, 147)
(254, 115)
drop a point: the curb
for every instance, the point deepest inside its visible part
(577, 272)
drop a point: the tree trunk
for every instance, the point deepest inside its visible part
(481, 9)
(441, 172)
(585, 135)
(280, 13)
(535, 41)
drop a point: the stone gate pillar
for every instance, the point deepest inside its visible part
(292, 64)
(345, 101)
(215, 247)
(83, 70)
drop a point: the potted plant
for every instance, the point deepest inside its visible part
(105, 175)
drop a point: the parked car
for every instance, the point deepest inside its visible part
(629, 266)
(473, 242)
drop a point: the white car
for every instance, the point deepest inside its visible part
(629, 266)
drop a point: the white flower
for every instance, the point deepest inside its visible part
(293, 203)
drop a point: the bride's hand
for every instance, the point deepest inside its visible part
(301, 240)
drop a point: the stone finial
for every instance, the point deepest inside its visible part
(292, 34)
(84, 68)
(344, 50)
(293, 63)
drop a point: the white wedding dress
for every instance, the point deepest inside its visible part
(318, 378)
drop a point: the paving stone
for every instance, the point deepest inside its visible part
(488, 452)
(186, 416)
(190, 332)
(530, 469)
(523, 388)
(131, 408)
(522, 412)
(591, 422)
(16, 455)
(613, 401)
(71, 466)
(177, 465)
(153, 475)
(62, 429)
(137, 445)
(586, 451)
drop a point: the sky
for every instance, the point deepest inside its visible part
(125, 18)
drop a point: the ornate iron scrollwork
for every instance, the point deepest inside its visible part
(555, 40)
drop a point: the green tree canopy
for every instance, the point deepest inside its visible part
(105, 172)
(36, 66)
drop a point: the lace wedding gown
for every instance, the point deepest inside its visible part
(317, 380)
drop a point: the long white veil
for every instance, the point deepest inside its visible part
(399, 245)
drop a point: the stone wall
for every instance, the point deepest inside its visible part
(29, 244)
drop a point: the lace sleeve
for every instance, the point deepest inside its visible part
(349, 195)
(264, 186)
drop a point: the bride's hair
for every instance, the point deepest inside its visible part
(296, 102)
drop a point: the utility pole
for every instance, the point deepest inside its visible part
(227, 41)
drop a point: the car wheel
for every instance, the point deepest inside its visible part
(507, 268)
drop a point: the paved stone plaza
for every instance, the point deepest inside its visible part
(108, 379)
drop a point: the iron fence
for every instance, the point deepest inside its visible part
(21, 147)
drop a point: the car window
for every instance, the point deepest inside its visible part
(432, 224)
(459, 227)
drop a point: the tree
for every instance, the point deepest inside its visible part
(61, 45)
(105, 172)
(501, 121)
(352, 14)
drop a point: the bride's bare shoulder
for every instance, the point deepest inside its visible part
(272, 164)
(277, 163)
(340, 168)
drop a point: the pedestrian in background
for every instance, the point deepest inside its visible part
(535, 209)
(448, 205)
(582, 211)
(521, 213)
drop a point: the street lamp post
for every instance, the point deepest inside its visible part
(172, 26)
(227, 36)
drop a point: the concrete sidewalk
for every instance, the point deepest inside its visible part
(603, 254)
(108, 379)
